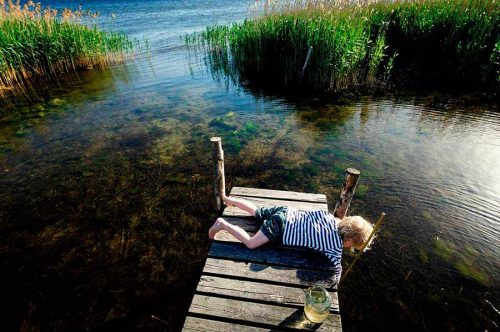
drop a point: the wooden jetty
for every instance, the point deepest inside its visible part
(262, 289)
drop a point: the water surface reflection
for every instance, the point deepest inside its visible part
(105, 191)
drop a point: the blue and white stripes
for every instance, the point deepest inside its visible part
(316, 230)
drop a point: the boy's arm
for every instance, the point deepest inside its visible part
(335, 258)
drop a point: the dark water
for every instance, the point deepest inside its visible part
(105, 187)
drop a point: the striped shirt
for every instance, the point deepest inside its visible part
(316, 230)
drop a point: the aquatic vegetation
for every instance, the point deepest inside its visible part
(464, 260)
(444, 249)
(427, 215)
(333, 46)
(37, 42)
(361, 189)
(423, 256)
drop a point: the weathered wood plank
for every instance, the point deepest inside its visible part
(257, 291)
(279, 194)
(256, 314)
(232, 211)
(269, 273)
(251, 290)
(271, 255)
(195, 324)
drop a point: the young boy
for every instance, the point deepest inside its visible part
(317, 230)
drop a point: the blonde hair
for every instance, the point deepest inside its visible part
(357, 229)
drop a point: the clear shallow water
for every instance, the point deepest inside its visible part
(105, 187)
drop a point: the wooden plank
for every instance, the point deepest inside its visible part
(252, 290)
(269, 273)
(271, 255)
(256, 291)
(232, 211)
(259, 314)
(278, 194)
(195, 324)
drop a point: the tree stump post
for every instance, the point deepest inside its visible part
(219, 178)
(347, 192)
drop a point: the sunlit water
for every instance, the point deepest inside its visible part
(105, 187)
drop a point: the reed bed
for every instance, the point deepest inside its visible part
(37, 42)
(331, 46)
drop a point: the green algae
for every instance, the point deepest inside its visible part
(423, 256)
(444, 249)
(427, 215)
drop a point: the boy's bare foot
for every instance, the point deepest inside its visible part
(216, 228)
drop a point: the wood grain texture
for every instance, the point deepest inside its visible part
(271, 255)
(219, 177)
(268, 273)
(347, 192)
(256, 291)
(195, 324)
(278, 194)
(232, 211)
(250, 313)
(251, 290)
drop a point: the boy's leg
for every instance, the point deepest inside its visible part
(239, 233)
(241, 203)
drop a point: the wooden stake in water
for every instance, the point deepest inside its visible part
(347, 192)
(376, 228)
(219, 178)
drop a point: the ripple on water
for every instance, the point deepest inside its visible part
(125, 159)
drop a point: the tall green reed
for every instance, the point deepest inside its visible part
(39, 43)
(359, 44)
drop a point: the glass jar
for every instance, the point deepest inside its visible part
(318, 302)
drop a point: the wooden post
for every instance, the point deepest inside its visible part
(219, 179)
(347, 192)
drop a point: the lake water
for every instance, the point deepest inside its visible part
(106, 196)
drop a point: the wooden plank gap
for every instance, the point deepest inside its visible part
(269, 272)
(271, 246)
(234, 321)
(267, 282)
(194, 324)
(278, 199)
(283, 194)
(249, 261)
(255, 313)
(249, 300)
(229, 320)
(256, 291)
